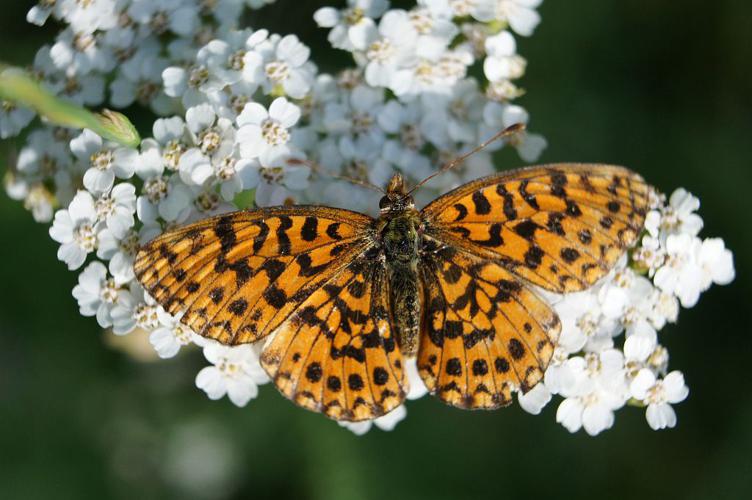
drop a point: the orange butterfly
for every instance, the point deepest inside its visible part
(341, 298)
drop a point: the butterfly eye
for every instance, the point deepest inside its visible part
(384, 202)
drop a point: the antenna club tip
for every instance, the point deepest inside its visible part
(515, 129)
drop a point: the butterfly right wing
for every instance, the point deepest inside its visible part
(236, 277)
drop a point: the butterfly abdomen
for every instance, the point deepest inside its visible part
(400, 242)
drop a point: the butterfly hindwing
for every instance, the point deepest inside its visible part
(561, 227)
(236, 277)
(484, 332)
(337, 353)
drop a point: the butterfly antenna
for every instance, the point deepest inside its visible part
(515, 129)
(316, 168)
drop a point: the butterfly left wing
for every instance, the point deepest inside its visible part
(337, 353)
(236, 277)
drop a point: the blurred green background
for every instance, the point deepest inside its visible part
(664, 87)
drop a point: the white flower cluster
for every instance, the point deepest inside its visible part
(609, 353)
(243, 112)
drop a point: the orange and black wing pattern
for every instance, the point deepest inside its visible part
(236, 277)
(561, 227)
(337, 354)
(308, 278)
(484, 332)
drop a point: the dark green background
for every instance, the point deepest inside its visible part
(662, 86)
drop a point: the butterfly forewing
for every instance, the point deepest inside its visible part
(561, 227)
(236, 277)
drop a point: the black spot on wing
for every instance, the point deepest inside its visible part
(482, 205)
(332, 231)
(225, 233)
(461, 212)
(260, 239)
(529, 198)
(526, 229)
(283, 240)
(510, 212)
(534, 256)
(309, 231)
(494, 237)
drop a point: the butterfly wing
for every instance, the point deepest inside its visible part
(337, 354)
(560, 227)
(484, 332)
(309, 278)
(236, 277)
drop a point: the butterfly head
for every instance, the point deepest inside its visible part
(396, 198)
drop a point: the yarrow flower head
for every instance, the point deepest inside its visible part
(244, 118)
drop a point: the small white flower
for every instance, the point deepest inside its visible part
(649, 254)
(277, 177)
(583, 323)
(164, 150)
(44, 156)
(391, 51)
(502, 62)
(88, 16)
(97, 294)
(120, 250)
(349, 27)
(164, 197)
(520, 14)
(385, 422)
(264, 134)
(594, 412)
(171, 335)
(80, 53)
(117, 207)
(453, 118)
(679, 216)
(139, 80)
(178, 16)
(134, 309)
(104, 163)
(716, 261)
(681, 275)
(481, 10)
(659, 395)
(600, 389)
(534, 400)
(209, 132)
(286, 66)
(236, 372)
(13, 119)
(77, 230)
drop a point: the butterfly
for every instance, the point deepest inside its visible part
(342, 299)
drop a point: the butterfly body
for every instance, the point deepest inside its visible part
(401, 242)
(341, 299)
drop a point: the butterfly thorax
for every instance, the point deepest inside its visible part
(399, 231)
